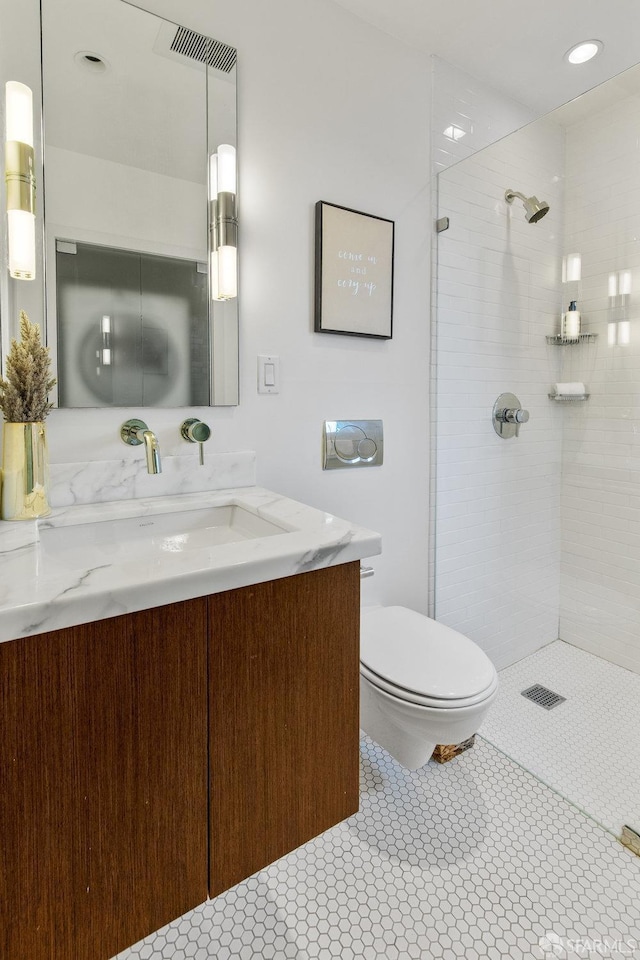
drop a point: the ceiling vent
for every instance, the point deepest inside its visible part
(204, 49)
(195, 50)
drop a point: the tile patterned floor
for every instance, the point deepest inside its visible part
(588, 749)
(474, 859)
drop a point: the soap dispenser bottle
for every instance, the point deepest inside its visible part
(571, 323)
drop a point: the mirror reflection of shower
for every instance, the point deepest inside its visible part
(132, 328)
(534, 209)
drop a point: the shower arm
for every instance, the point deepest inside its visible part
(510, 196)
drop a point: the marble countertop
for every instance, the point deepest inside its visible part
(46, 588)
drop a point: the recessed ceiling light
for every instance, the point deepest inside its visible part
(93, 62)
(583, 51)
(453, 132)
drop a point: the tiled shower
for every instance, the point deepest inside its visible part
(537, 537)
(497, 538)
(600, 578)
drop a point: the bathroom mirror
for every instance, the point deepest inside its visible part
(133, 107)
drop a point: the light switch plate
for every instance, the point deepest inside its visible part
(268, 374)
(352, 443)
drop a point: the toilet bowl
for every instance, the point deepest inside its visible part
(421, 684)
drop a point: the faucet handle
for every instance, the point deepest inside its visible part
(134, 432)
(516, 416)
(131, 432)
(196, 431)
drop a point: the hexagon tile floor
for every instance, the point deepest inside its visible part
(473, 859)
(588, 748)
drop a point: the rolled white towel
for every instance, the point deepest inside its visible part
(572, 389)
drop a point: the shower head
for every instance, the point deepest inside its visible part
(534, 209)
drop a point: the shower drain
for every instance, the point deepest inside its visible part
(543, 696)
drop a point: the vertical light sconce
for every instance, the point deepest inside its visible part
(223, 223)
(20, 180)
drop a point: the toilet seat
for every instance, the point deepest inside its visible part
(421, 661)
(408, 696)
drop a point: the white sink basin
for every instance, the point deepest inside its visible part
(88, 561)
(153, 536)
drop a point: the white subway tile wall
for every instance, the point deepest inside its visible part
(461, 104)
(497, 563)
(600, 607)
(468, 115)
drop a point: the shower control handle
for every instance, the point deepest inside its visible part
(507, 415)
(516, 416)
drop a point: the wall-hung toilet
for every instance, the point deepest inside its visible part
(421, 683)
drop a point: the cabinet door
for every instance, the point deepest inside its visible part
(103, 795)
(284, 698)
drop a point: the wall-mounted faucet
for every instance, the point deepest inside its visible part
(196, 431)
(135, 432)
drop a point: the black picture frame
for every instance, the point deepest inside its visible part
(353, 272)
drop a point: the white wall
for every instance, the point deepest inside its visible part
(498, 501)
(99, 201)
(601, 453)
(329, 109)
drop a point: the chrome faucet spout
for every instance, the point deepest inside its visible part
(152, 452)
(135, 432)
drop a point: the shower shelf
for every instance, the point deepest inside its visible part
(559, 341)
(568, 397)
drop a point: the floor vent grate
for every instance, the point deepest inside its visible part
(543, 696)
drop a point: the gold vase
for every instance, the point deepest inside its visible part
(25, 471)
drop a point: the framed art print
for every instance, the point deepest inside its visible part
(354, 272)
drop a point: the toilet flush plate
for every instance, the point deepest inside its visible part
(352, 443)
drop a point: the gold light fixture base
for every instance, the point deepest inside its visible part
(20, 176)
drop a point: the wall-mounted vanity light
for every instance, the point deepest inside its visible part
(20, 180)
(223, 223)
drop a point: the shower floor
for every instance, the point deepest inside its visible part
(588, 748)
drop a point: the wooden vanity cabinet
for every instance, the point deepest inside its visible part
(284, 708)
(150, 760)
(103, 783)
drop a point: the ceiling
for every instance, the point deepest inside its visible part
(148, 108)
(516, 48)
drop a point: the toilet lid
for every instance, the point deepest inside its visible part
(418, 654)
(408, 696)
